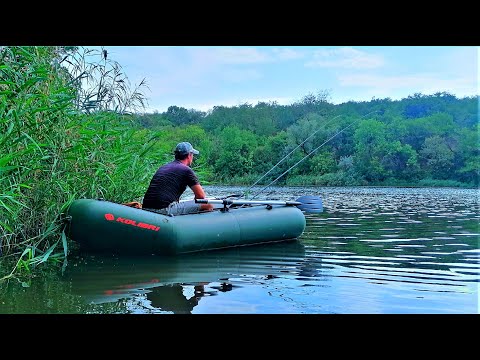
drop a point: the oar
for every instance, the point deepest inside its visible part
(307, 203)
(310, 204)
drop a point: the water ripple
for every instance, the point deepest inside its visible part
(372, 250)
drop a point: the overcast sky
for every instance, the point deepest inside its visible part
(201, 77)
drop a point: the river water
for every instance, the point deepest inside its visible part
(371, 251)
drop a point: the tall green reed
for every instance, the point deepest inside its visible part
(60, 141)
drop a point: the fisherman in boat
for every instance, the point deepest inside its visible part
(171, 180)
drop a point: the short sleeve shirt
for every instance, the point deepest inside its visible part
(167, 185)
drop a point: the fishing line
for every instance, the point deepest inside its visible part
(310, 153)
(303, 142)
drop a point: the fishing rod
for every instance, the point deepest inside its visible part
(246, 202)
(310, 153)
(303, 142)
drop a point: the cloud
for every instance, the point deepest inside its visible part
(345, 58)
(244, 55)
(287, 54)
(179, 70)
(229, 55)
(462, 61)
(237, 75)
(424, 83)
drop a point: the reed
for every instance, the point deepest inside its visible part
(60, 141)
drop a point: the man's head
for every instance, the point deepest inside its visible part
(184, 150)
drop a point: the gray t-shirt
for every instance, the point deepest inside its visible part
(168, 184)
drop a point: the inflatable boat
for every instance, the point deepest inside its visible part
(104, 226)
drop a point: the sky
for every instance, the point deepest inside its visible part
(201, 77)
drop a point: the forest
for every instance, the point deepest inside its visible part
(422, 140)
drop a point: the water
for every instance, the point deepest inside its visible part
(372, 251)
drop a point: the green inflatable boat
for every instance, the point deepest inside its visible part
(104, 226)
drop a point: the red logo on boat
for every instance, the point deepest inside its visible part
(142, 225)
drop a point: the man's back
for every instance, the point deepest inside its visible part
(168, 184)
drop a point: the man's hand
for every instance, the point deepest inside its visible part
(200, 194)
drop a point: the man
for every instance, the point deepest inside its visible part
(171, 180)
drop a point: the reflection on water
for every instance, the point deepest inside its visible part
(372, 250)
(177, 284)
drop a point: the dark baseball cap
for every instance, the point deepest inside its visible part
(185, 148)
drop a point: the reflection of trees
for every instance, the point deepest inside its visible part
(49, 295)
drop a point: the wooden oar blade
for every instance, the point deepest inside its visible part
(310, 204)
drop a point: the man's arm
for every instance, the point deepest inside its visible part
(198, 191)
(200, 194)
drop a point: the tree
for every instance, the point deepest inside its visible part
(236, 154)
(181, 116)
(437, 157)
(370, 147)
(468, 155)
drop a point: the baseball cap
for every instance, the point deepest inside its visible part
(185, 148)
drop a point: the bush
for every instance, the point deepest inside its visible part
(443, 183)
